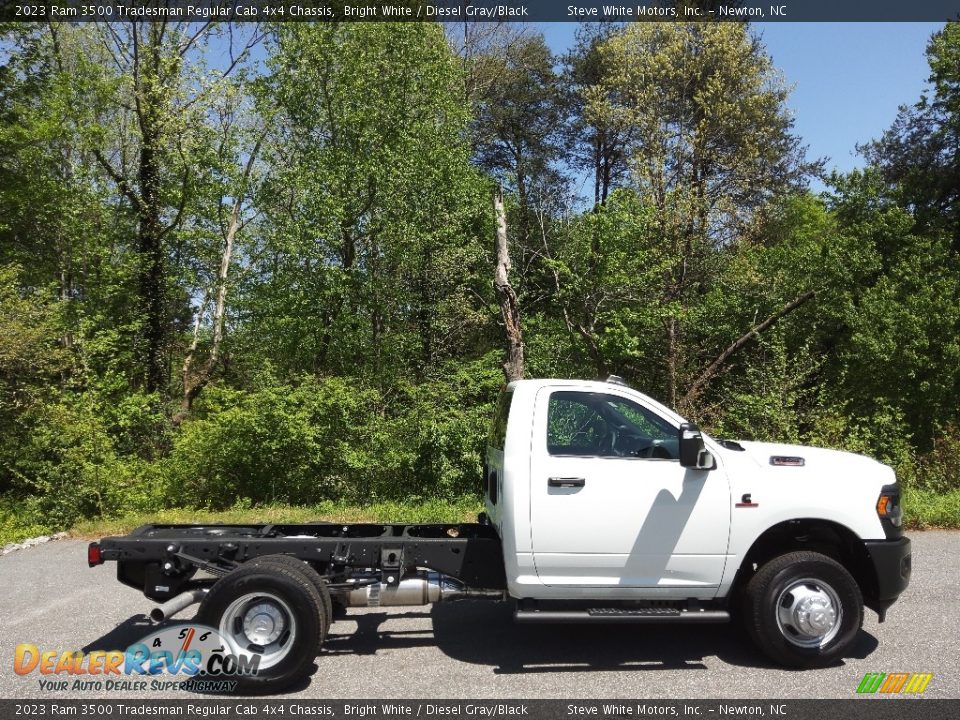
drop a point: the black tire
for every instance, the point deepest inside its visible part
(297, 646)
(312, 575)
(782, 589)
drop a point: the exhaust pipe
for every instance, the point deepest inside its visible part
(423, 588)
(175, 604)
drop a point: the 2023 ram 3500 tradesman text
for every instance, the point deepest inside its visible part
(602, 505)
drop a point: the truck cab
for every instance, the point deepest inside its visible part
(586, 489)
(600, 493)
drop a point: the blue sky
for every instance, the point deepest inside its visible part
(848, 78)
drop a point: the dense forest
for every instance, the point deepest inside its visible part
(259, 264)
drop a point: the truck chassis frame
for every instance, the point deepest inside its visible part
(162, 560)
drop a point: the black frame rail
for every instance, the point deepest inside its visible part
(162, 560)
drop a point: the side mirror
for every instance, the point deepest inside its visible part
(692, 452)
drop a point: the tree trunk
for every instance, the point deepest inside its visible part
(192, 387)
(597, 172)
(509, 305)
(152, 275)
(152, 279)
(672, 361)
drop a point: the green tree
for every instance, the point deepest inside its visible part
(901, 341)
(371, 261)
(139, 103)
(712, 145)
(599, 139)
(518, 136)
(920, 153)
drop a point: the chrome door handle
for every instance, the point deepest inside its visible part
(568, 482)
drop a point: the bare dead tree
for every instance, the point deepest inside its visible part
(194, 383)
(507, 297)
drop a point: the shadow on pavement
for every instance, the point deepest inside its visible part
(124, 635)
(484, 633)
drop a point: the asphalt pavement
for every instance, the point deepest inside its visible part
(49, 597)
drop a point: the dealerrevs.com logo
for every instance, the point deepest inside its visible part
(157, 662)
(894, 683)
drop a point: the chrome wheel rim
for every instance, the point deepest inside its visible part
(260, 624)
(809, 613)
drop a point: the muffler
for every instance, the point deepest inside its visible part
(423, 588)
(175, 604)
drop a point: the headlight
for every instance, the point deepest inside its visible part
(888, 505)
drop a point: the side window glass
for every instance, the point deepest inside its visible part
(642, 419)
(574, 427)
(602, 425)
(498, 428)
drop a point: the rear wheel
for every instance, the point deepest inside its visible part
(803, 609)
(314, 577)
(272, 613)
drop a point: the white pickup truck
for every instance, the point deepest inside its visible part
(602, 505)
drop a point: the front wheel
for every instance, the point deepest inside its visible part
(272, 614)
(803, 609)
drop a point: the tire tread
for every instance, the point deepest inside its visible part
(758, 595)
(225, 589)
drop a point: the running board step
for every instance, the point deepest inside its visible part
(622, 615)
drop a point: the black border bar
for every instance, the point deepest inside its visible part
(233, 708)
(460, 11)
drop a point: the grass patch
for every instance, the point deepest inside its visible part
(20, 519)
(419, 511)
(924, 509)
(15, 532)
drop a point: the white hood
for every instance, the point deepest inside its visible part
(814, 458)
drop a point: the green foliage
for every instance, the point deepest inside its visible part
(768, 401)
(700, 117)
(712, 130)
(938, 471)
(610, 271)
(446, 422)
(275, 443)
(372, 257)
(919, 156)
(21, 519)
(68, 461)
(329, 438)
(30, 325)
(898, 332)
(360, 344)
(599, 138)
(926, 509)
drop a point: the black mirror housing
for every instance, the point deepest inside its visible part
(691, 445)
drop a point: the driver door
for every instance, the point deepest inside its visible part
(610, 503)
